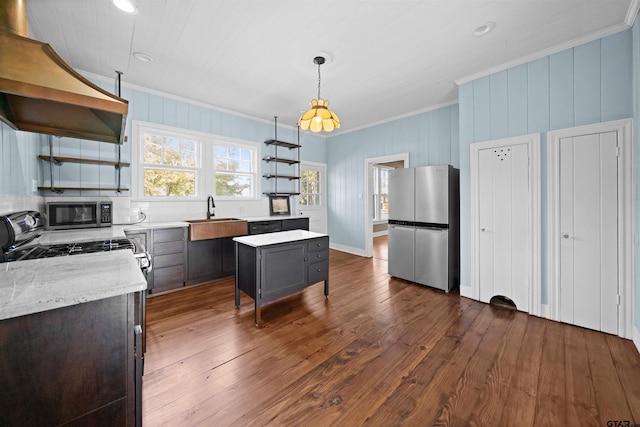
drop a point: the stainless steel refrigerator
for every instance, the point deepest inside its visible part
(424, 225)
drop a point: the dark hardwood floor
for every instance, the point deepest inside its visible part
(379, 351)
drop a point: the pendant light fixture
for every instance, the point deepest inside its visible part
(319, 117)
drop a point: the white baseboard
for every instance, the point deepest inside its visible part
(381, 233)
(465, 291)
(544, 311)
(636, 337)
(347, 249)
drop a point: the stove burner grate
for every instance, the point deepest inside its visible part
(66, 249)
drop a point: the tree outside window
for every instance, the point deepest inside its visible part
(310, 188)
(170, 166)
(235, 169)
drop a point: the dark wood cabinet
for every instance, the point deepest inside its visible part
(73, 365)
(272, 271)
(210, 260)
(169, 258)
(275, 225)
(295, 224)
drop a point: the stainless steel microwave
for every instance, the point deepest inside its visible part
(67, 215)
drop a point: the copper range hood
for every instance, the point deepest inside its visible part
(40, 93)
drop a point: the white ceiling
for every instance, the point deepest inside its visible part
(386, 58)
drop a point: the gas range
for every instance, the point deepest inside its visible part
(20, 240)
(77, 248)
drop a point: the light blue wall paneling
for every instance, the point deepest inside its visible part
(167, 111)
(615, 97)
(586, 84)
(538, 95)
(482, 109)
(429, 138)
(517, 98)
(561, 90)
(499, 104)
(18, 160)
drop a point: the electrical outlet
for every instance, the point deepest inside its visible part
(34, 186)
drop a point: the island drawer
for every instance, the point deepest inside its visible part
(319, 244)
(317, 272)
(319, 256)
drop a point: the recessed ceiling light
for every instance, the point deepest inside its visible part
(142, 57)
(484, 29)
(127, 6)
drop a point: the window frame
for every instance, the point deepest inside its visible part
(375, 196)
(319, 194)
(255, 166)
(205, 171)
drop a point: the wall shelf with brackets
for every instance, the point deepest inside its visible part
(276, 159)
(60, 160)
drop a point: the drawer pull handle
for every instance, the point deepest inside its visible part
(318, 270)
(318, 256)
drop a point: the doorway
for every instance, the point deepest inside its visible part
(398, 160)
(505, 200)
(312, 198)
(590, 226)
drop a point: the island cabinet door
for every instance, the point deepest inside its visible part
(283, 270)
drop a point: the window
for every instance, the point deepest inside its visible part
(170, 165)
(235, 169)
(310, 194)
(179, 164)
(380, 211)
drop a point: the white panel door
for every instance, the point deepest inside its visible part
(503, 217)
(312, 198)
(588, 190)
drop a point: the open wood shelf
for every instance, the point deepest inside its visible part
(82, 189)
(289, 177)
(288, 145)
(59, 159)
(280, 160)
(281, 193)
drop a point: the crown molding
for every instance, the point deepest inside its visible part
(632, 13)
(98, 77)
(394, 118)
(546, 52)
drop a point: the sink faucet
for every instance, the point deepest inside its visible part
(211, 207)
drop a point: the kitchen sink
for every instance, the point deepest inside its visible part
(215, 228)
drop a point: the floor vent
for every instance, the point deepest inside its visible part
(502, 302)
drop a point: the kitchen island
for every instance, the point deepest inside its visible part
(274, 265)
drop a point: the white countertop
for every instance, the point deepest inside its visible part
(259, 240)
(33, 286)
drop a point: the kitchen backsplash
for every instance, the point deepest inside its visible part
(9, 204)
(126, 211)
